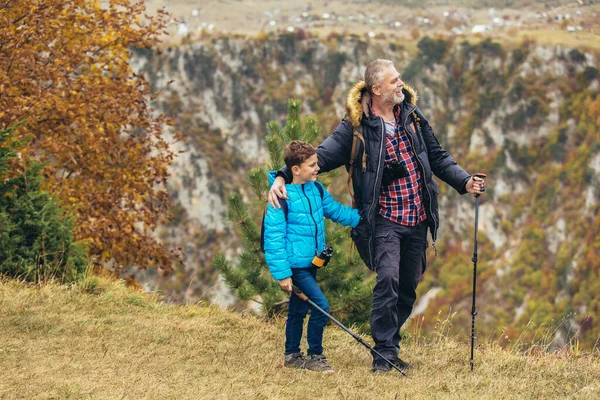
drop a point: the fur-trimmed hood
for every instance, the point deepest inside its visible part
(358, 99)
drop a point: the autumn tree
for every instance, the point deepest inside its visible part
(64, 68)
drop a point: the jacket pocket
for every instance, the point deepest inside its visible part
(381, 238)
(290, 253)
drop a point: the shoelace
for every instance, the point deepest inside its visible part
(321, 359)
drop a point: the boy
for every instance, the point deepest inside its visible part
(290, 245)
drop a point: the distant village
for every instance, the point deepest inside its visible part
(570, 19)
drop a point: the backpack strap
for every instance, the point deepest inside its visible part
(284, 206)
(357, 135)
(319, 186)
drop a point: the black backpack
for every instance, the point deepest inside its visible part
(284, 207)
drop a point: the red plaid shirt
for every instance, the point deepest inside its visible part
(402, 200)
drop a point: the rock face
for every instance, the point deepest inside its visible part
(524, 116)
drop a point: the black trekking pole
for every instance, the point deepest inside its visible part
(474, 259)
(299, 293)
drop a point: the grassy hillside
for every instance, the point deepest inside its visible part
(101, 340)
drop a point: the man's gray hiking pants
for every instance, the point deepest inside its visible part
(399, 263)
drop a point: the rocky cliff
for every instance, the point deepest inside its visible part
(527, 116)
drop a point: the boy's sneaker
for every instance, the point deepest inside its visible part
(318, 363)
(295, 360)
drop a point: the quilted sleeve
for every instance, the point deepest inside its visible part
(344, 215)
(275, 244)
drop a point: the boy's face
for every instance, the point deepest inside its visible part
(307, 171)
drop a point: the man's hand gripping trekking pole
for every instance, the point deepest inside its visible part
(476, 185)
(302, 296)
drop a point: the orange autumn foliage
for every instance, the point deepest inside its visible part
(594, 111)
(64, 69)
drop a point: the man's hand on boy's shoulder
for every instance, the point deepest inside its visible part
(278, 191)
(286, 284)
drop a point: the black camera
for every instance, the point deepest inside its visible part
(393, 171)
(322, 259)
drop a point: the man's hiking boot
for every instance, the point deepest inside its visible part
(381, 366)
(400, 363)
(295, 360)
(318, 363)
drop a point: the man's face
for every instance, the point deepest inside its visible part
(390, 87)
(307, 171)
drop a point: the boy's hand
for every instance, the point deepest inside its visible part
(286, 284)
(278, 190)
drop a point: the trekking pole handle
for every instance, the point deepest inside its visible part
(480, 175)
(299, 293)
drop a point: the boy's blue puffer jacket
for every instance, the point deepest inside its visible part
(294, 244)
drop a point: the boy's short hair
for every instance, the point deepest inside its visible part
(296, 152)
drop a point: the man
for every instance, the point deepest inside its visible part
(394, 191)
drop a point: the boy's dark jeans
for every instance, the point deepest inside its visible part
(305, 280)
(399, 263)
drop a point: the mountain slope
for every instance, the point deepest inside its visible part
(526, 115)
(65, 342)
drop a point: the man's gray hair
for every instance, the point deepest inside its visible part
(374, 73)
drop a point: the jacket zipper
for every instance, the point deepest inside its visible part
(435, 223)
(376, 192)
(315, 222)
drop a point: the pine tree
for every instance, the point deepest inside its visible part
(36, 233)
(343, 280)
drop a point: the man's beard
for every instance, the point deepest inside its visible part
(393, 98)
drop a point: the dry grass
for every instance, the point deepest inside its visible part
(113, 343)
(547, 37)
